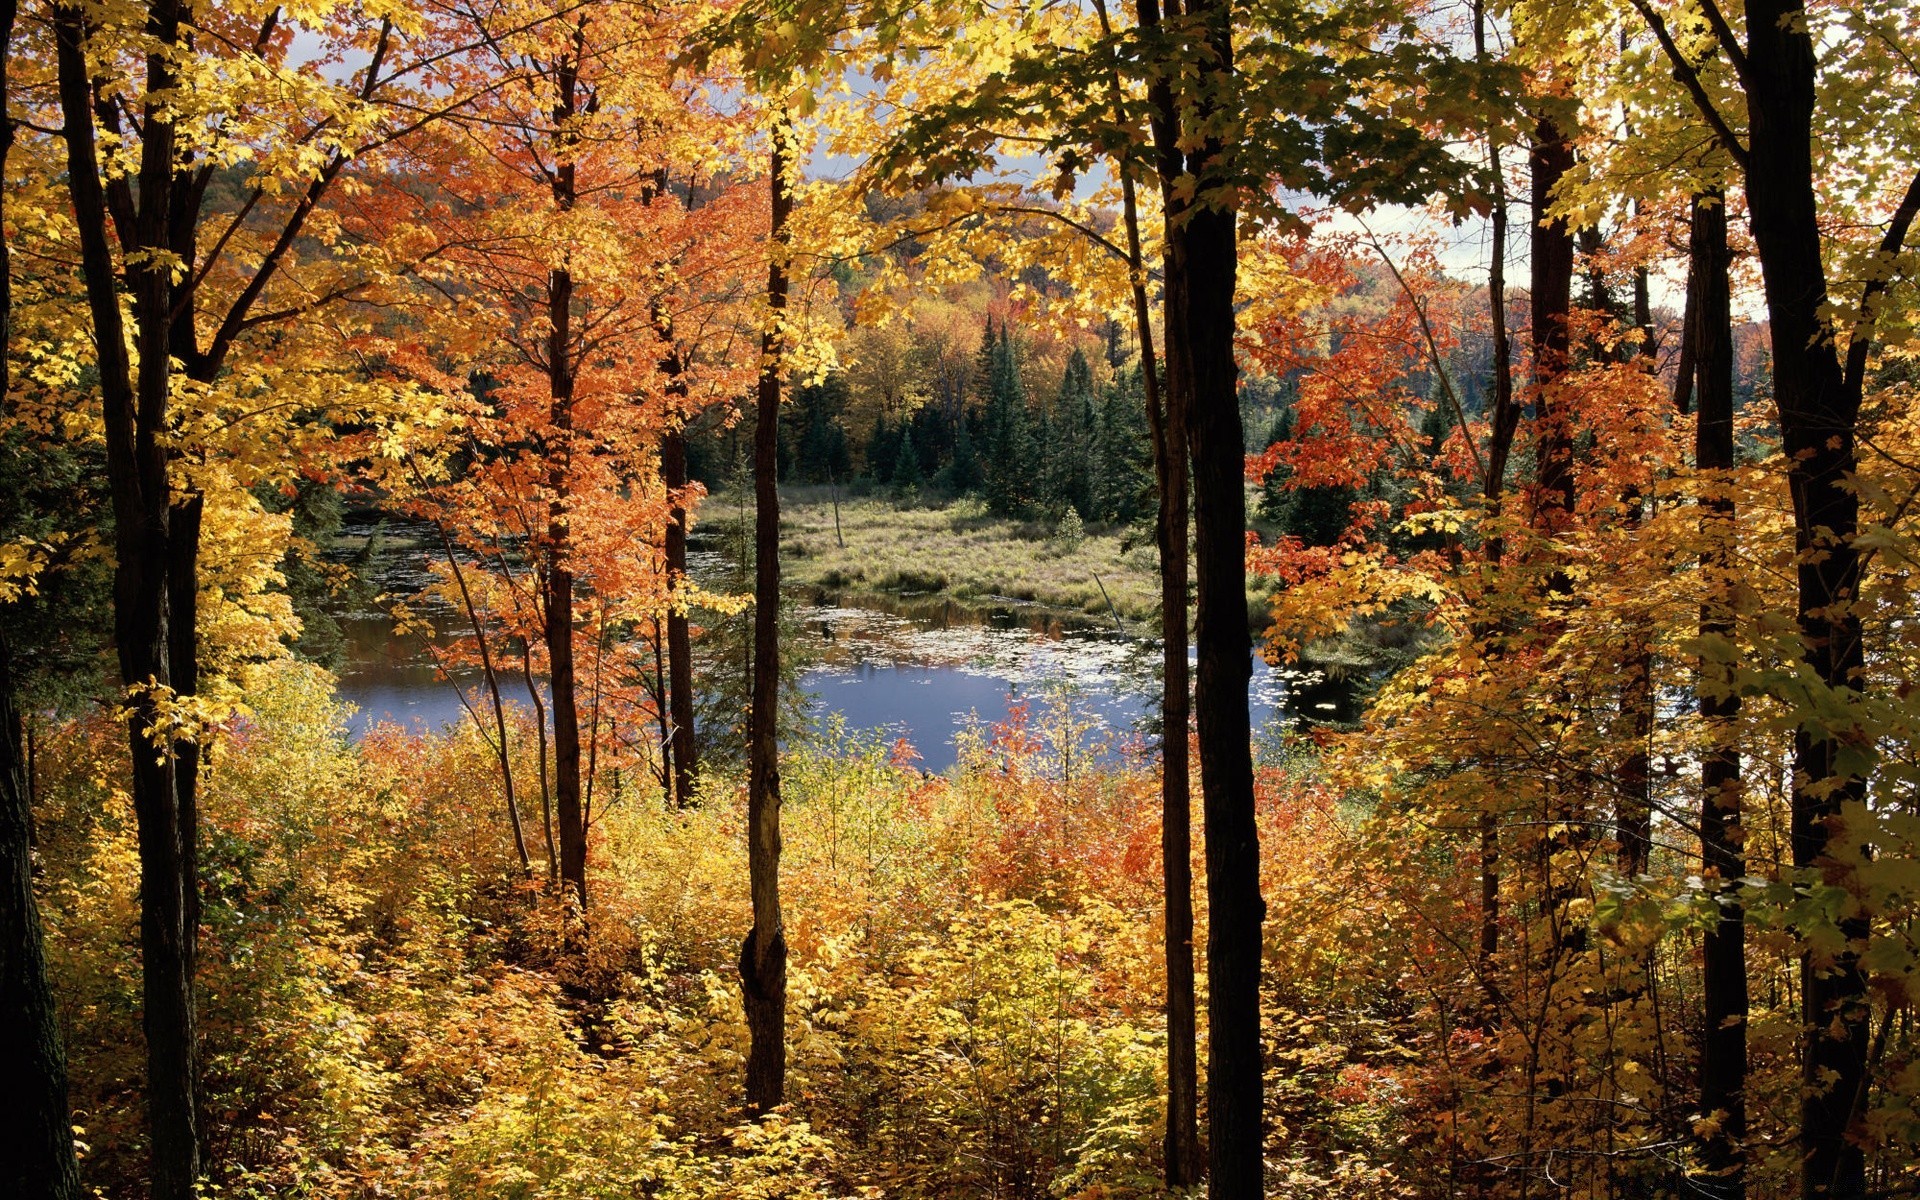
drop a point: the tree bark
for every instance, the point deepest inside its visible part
(685, 752)
(134, 409)
(557, 581)
(1201, 266)
(763, 955)
(1723, 1046)
(1166, 420)
(36, 1125)
(557, 607)
(1551, 337)
(1819, 415)
(1504, 423)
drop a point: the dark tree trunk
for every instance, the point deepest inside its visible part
(557, 609)
(1183, 1150)
(1166, 419)
(1819, 414)
(1220, 703)
(1201, 265)
(557, 580)
(686, 765)
(134, 408)
(763, 955)
(1552, 301)
(1504, 422)
(682, 750)
(36, 1125)
(1723, 1047)
(1633, 824)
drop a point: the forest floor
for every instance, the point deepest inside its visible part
(959, 550)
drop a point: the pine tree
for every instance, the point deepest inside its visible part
(1274, 496)
(906, 463)
(882, 448)
(962, 473)
(1069, 442)
(1122, 476)
(1010, 449)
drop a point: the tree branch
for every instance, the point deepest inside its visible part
(1685, 73)
(1890, 245)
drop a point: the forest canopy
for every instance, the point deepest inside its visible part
(1475, 446)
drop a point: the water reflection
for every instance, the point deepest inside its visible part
(918, 667)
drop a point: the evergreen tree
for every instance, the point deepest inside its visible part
(882, 448)
(962, 473)
(1315, 515)
(1122, 480)
(906, 463)
(1274, 495)
(1069, 444)
(1436, 425)
(1009, 436)
(814, 429)
(932, 438)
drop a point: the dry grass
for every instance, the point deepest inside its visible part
(961, 551)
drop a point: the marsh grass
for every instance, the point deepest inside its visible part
(958, 549)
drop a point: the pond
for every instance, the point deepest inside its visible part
(921, 668)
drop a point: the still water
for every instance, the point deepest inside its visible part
(923, 669)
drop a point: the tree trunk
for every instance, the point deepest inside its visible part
(682, 749)
(492, 680)
(134, 410)
(1723, 1047)
(1819, 415)
(36, 1124)
(1166, 419)
(557, 580)
(763, 955)
(673, 473)
(1202, 261)
(1633, 814)
(557, 610)
(1551, 337)
(1504, 422)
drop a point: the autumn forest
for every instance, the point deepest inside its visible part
(1001, 599)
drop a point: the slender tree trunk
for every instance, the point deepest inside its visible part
(1633, 824)
(1184, 1156)
(492, 680)
(682, 748)
(763, 955)
(134, 408)
(1505, 423)
(1552, 302)
(557, 605)
(558, 580)
(542, 761)
(36, 1124)
(1819, 415)
(1723, 1046)
(673, 473)
(1201, 265)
